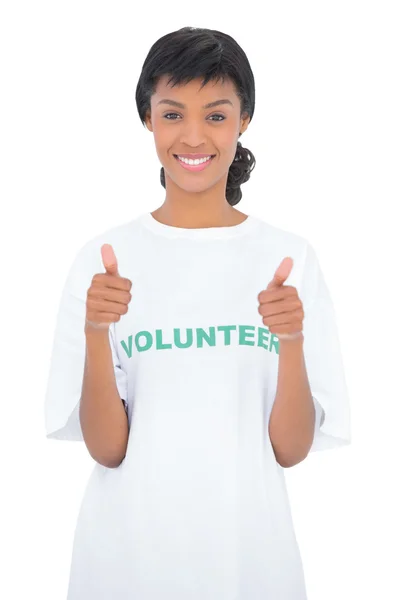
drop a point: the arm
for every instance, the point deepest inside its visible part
(104, 422)
(292, 420)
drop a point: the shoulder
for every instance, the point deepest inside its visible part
(125, 240)
(274, 243)
(281, 240)
(121, 236)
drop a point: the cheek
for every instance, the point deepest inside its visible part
(164, 146)
(227, 144)
(163, 136)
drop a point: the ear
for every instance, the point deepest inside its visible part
(148, 121)
(244, 122)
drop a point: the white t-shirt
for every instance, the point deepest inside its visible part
(198, 509)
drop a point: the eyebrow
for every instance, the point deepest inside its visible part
(209, 105)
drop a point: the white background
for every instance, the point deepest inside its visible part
(76, 160)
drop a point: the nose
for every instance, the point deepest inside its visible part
(193, 135)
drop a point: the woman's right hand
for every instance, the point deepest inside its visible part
(109, 294)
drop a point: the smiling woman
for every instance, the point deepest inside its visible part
(187, 500)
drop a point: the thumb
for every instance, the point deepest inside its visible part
(282, 273)
(109, 259)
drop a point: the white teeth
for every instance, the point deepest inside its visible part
(197, 161)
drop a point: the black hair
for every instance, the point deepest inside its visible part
(192, 52)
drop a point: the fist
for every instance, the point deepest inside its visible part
(109, 294)
(280, 305)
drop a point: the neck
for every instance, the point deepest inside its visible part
(208, 208)
(192, 218)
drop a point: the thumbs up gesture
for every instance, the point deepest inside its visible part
(109, 294)
(280, 305)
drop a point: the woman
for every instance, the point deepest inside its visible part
(196, 354)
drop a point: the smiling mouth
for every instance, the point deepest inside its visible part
(195, 166)
(177, 156)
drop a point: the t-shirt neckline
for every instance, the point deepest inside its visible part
(225, 232)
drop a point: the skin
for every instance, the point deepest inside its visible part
(292, 419)
(196, 199)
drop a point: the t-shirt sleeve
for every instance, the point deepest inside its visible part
(323, 359)
(65, 377)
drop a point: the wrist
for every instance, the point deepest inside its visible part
(91, 330)
(292, 342)
(290, 337)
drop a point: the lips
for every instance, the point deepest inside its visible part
(195, 167)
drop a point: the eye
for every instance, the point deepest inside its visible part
(221, 117)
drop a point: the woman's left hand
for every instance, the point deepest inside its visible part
(280, 305)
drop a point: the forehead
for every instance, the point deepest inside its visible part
(191, 91)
